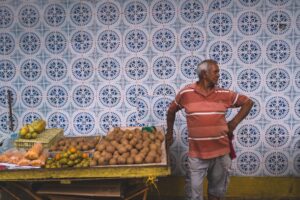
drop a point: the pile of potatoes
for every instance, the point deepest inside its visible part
(80, 143)
(121, 147)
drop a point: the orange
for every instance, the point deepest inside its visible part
(72, 150)
(85, 155)
(57, 156)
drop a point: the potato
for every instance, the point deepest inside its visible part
(138, 159)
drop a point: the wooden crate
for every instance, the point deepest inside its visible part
(46, 138)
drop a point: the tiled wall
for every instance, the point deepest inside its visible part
(89, 65)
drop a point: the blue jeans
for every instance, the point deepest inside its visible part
(217, 171)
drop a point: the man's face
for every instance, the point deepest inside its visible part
(212, 75)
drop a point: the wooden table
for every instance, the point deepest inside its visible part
(125, 182)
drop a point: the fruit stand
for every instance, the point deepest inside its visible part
(124, 162)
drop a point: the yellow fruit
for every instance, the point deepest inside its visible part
(24, 130)
(39, 125)
(34, 135)
(30, 127)
(28, 136)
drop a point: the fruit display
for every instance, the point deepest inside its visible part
(129, 146)
(35, 156)
(80, 143)
(68, 158)
(31, 131)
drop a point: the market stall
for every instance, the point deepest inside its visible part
(122, 164)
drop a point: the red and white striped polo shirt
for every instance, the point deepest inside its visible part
(206, 121)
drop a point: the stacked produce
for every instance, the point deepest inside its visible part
(135, 146)
(31, 131)
(35, 156)
(68, 158)
(80, 143)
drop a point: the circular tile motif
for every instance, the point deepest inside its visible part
(109, 41)
(136, 68)
(278, 51)
(134, 92)
(297, 108)
(30, 117)
(31, 70)
(221, 52)
(58, 120)
(225, 80)
(249, 52)
(298, 22)
(217, 4)
(279, 2)
(81, 14)
(164, 67)
(135, 12)
(297, 163)
(7, 43)
(255, 110)
(109, 120)
(132, 120)
(82, 42)
(298, 48)
(192, 11)
(84, 123)
(164, 90)
(276, 136)
(220, 24)
(278, 80)
(184, 137)
(4, 96)
(109, 69)
(249, 80)
(161, 106)
(142, 108)
(56, 69)
(82, 69)
(248, 135)
(29, 16)
(32, 96)
(6, 16)
(163, 11)
(163, 39)
(277, 107)
(108, 13)
(54, 15)
(7, 70)
(83, 96)
(189, 65)
(30, 43)
(279, 22)
(55, 42)
(5, 121)
(297, 79)
(110, 96)
(192, 39)
(276, 163)
(57, 96)
(249, 3)
(249, 23)
(136, 40)
(248, 163)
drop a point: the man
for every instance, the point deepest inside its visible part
(208, 132)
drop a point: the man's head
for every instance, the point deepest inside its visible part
(208, 70)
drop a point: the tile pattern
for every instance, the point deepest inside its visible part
(88, 65)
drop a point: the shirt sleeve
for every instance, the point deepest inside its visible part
(236, 99)
(176, 104)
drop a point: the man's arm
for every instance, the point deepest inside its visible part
(244, 111)
(170, 123)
